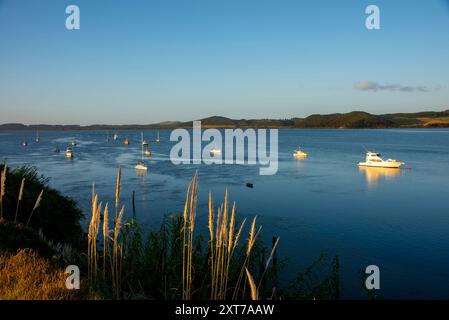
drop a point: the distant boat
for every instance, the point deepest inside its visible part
(214, 152)
(144, 142)
(24, 144)
(158, 139)
(69, 153)
(115, 137)
(300, 154)
(126, 141)
(37, 136)
(148, 152)
(374, 159)
(56, 150)
(141, 165)
(74, 143)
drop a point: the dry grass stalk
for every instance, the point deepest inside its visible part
(2, 188)
(22, 186)
(117, 251)
(36, 205)
(117, 189)
(189, 218)
(254, 293)
(105, 238)
(223, 243)
(251, 241)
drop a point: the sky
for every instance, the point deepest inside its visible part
(140, 62)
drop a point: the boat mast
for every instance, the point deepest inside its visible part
(142, 146)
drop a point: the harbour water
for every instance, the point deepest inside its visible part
(395, 219)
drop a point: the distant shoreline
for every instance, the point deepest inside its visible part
(351, 120)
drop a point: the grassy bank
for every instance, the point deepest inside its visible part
(39, 226)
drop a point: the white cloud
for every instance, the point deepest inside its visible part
(375, 86)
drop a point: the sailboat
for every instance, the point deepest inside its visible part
(126, 141)
(115, 137)
(158, 139)
(144, 142)
(37, 136)
(141, 165)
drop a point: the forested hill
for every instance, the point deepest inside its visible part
(355, 119)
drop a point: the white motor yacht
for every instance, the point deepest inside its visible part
(374, 159)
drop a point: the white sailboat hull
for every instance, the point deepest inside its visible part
(141, 167)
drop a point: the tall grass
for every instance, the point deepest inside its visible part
(36, 205)
(22, 186)
(2, 188)
(188, 229)
(111, 257)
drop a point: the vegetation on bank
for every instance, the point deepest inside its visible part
(118, 261)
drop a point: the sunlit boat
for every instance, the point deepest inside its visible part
(24, 144)
(126, 142)
(37, 136)
(115, 137)
(299, 154)
(144, 142)
(214, 152)
(158, 139)
(148, 152)
(69, 153)
(374, 159)
(74, 143)
(141, 165)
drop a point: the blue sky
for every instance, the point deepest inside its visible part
(150, 61)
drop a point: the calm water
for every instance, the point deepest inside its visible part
(398, 220)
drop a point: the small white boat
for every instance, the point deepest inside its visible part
(300, 153)
(158, 139)
(69, 153)
(214, 152)
(141, 165)
(24, 144)
(374, 159)
(148, 152)
(144, 142)
(74, 143)
(37, 136)
(115, 137)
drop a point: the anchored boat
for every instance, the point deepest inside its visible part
(300, 154)
(141, 165)
(374, 159)
(69, 153)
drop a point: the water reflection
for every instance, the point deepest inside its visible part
(373, 175)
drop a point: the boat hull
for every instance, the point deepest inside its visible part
(385, 164)
(141, 167)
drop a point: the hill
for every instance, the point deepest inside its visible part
(355, 119)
